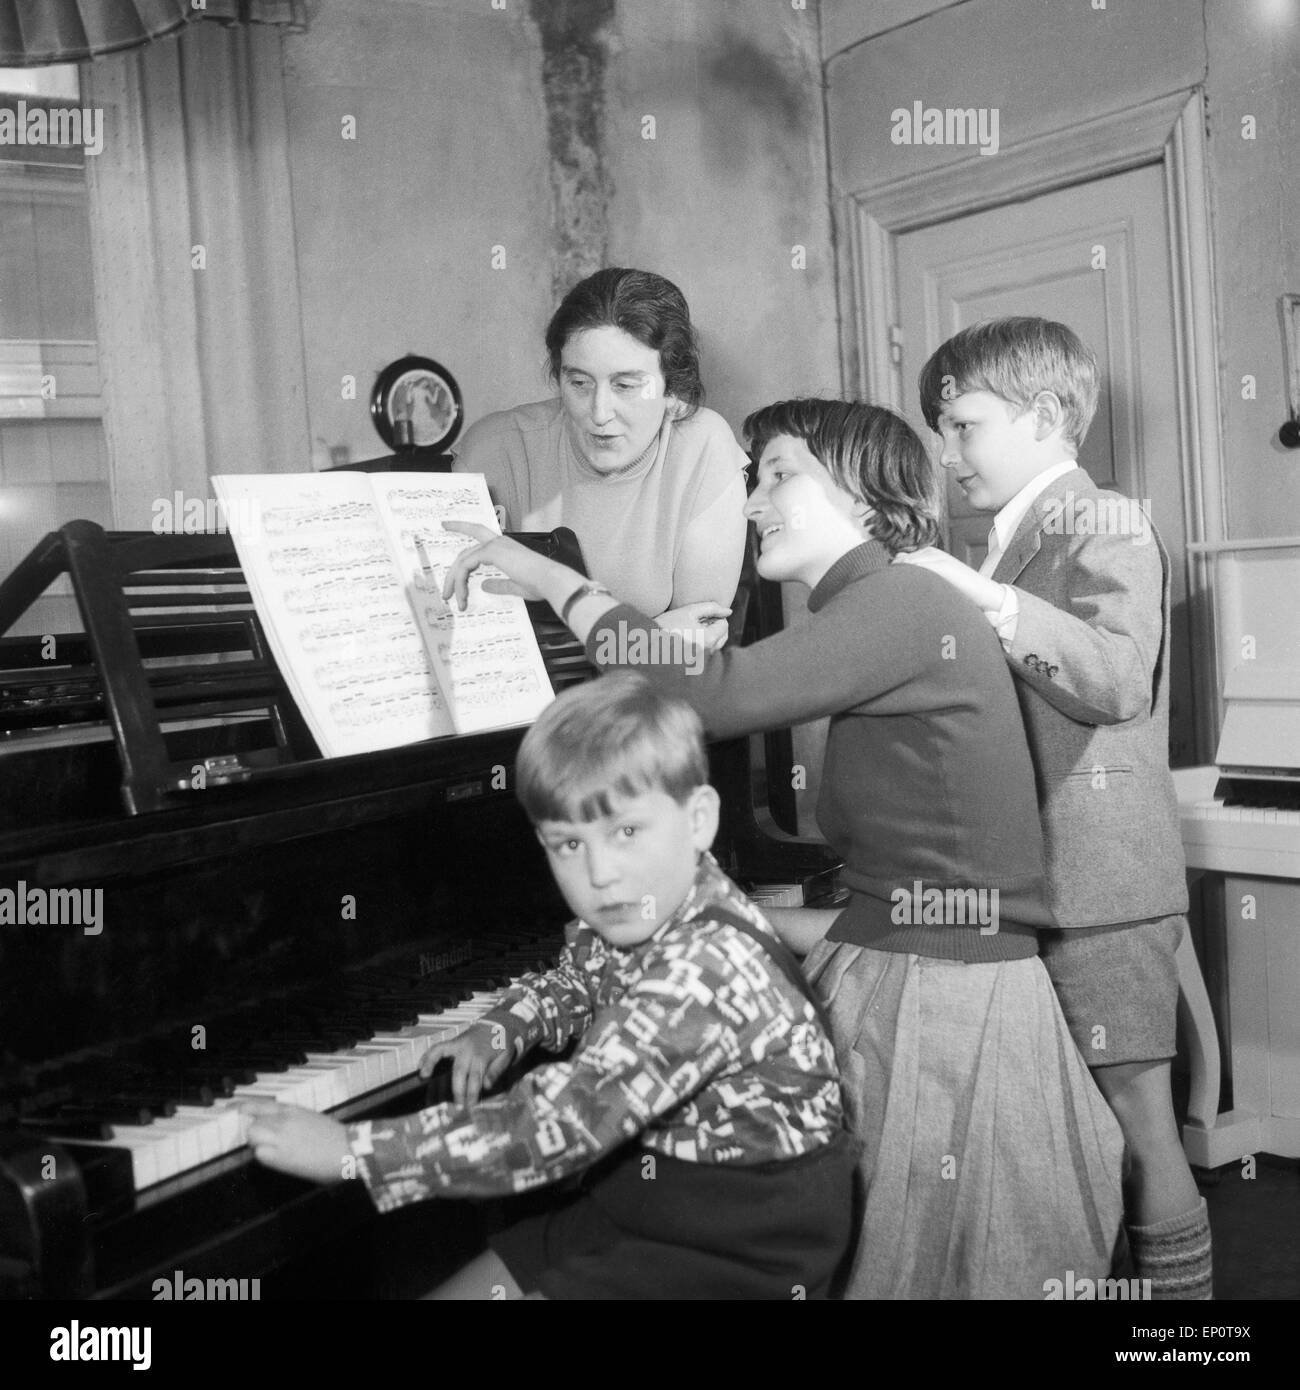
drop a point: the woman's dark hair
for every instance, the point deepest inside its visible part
(871, 453)
(653, 310)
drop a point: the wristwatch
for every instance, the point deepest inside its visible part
(591, 587)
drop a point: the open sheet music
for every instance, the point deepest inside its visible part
(346, 572)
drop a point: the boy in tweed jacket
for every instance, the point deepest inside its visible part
(1076, 584)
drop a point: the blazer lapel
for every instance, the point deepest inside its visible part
(1028, 539)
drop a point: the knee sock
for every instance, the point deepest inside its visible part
(1175, 1255)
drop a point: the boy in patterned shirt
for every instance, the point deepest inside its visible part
(700, 1109)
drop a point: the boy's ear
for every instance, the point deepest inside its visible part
(1049, 414)
(703, 809)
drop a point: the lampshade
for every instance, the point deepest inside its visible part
(36, 33)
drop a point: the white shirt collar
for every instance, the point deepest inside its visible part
(1007, 521)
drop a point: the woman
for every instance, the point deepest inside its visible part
(626, 456)
(991, 1162)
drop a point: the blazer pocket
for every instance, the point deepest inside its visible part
(1099, 777)
(1086, 801)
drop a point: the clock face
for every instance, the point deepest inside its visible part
(416, 403)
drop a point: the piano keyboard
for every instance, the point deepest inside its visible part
(1238, 839)
(169, 1131)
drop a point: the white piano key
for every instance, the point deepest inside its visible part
(145, 1169)
(389, 1058)
(197, 1134)
(334, 1083)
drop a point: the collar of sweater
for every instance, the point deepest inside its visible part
(862, 560)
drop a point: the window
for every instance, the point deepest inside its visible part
(53, 458)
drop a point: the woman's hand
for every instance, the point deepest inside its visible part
(298, 1141)
(526, 570)
(705, 623)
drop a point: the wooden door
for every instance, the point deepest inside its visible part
(1096, 257)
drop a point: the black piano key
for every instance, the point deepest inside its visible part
(67, 1129)
(44, 1098)
(264, 1059)
(162, 1106)
(221, 1077)
(160, 1092)
(107, 1112)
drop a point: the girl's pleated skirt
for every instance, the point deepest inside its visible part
(991, 1162)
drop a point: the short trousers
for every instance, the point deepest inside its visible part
(1118, 988)
(643, 1226)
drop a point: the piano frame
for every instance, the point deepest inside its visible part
(241, 827)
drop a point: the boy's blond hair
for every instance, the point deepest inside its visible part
(1015, 358)
(605, 740)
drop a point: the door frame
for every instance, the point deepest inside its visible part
(1169, 131)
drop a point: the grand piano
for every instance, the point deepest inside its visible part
(241, 917)
(1240, 822)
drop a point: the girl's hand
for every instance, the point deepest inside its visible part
(526, 570)
(705, 623)
(297, 1141)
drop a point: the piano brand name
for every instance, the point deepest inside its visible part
(178, 1288)
(52, 907)
(192, 516)
(431, 962)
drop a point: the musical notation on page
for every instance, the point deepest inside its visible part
(346, 571)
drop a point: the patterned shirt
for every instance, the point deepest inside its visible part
(693, 1042)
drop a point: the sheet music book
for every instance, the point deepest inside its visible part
(346, 572)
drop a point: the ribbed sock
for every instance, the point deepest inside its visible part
(1174, 1255)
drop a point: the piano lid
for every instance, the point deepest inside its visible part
(1258, 610)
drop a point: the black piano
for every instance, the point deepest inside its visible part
(238, 916)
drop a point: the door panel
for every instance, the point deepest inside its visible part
(1096, 257)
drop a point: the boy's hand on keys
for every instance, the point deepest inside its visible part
(297, 1141)
(479, 1056)
(977, 587)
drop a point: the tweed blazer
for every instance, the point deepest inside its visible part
(1091, 661)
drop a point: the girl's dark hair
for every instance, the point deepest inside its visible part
(871, 453)
(653, 310)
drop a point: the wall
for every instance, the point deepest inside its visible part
(1046, 72)
(525, 128)
(1254, 70)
